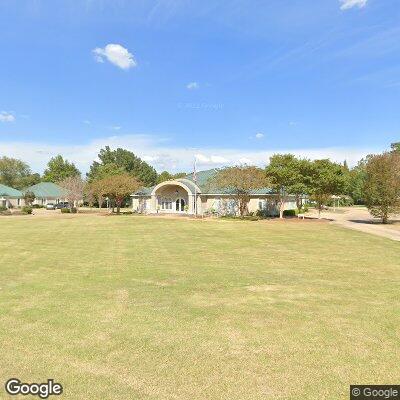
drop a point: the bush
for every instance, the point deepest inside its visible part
(262, 214)
(6, 212)
(26, 209)
(74, 210)
(37, 206)
(2, 208)
(65, 211)
(289, 213)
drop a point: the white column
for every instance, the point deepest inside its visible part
(153, 204)
(191, 204)
(199, 206)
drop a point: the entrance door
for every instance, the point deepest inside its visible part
(180, 205)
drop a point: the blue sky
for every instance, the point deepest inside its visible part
(229, 81)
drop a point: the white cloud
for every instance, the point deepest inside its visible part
(347, 4)
(115, 54)
(209, 160)
(6, 117)
(115, 128)
(150, 158)
(193, 85)
(259, 135)
(245, 160)
(163, 155)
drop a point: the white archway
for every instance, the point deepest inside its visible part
(165, 196)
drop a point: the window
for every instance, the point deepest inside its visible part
(166, 204)
(18, 202)
(262, 204)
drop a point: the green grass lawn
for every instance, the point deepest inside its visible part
(153, 308)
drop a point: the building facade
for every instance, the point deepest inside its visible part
(10, 197)
(186, 196)
(47, 192)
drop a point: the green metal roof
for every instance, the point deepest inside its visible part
(144, 191)
(46, 190)
(203, 180)
(9, 191)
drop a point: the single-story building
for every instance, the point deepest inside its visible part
(47, 192)
(10, 197)
(186, 196)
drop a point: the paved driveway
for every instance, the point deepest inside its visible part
(360, 219)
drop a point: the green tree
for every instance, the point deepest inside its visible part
(29, 198)
(94, 190)
(118, 187)
(327, 179)
(356, 181)
(164, 176)
(289, 176)
(395, 146)
(179, 175)
(301, 180)
(30, 180)
(127, 161)
(238, 182)
(107, 170)
(95, 187)
(382, 185)
(59, 169)
(16, 173)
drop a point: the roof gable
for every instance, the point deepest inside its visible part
(9, 191)
(203, 181)
(46, 189)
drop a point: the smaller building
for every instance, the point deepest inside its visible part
(10, 197)
(47, 192)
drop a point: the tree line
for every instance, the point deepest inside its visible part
(115, 175)
(374, 181)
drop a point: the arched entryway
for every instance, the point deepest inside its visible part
(174, 197)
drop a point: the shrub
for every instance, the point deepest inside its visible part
(37, 206)
(65, 211)
(26, 209)
(262, 214)
(74, 210)
(289, 213)
(6, 212)
(2, 208)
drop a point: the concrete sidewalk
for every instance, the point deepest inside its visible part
(360, 220)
